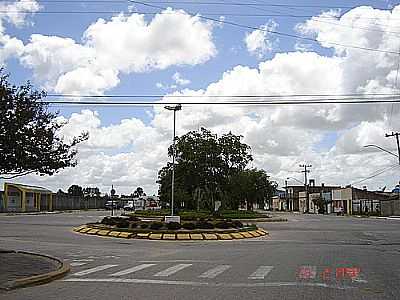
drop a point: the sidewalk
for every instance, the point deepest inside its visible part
(18, 269)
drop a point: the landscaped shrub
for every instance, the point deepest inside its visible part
(108, 221)
(133, 219)
(223, 225)
(144, 225)
(173, 226)
(204, 225)
(134, 224)
(122, 223)
(237, 224)
(189, 226)
(156, 225)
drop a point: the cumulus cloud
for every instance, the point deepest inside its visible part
(125, 44)
(14, 13)
(179, 80)
(281, 137)
(260, 42)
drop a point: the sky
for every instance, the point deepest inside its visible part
(199, 51)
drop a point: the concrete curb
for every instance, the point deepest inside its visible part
(41, 278)
(179, 236)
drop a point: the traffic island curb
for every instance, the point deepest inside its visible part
(170, 236)
(41, 278)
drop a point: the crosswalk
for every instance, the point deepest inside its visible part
(259, 274)
(161, 272)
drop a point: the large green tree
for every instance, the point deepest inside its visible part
(208, 168)
(29, 133)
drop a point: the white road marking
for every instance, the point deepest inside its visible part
(172, 270)
(84, 260)
(211, 284)
(261, 272)
(92, 270)
(132, 270)
(77, 264)
(214, 272)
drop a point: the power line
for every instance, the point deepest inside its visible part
(197, 3)
(375, 174)
(358, 95)
(253, 4)
(272, 31)
(242, 103)
(314, 18)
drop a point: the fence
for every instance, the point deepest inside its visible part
(68, 202)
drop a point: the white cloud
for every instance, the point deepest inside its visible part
(124, 44)
(14, 13)
(259, 42)
(281, 136)
(179, 80)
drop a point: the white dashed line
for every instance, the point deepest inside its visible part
(261, 272)
(132, 270)
(92, 270)
(172, 270)
(214, 272)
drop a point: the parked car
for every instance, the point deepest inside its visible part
(112, 204)
(130, 206)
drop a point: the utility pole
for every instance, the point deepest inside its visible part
(305, 166)
(395, 134)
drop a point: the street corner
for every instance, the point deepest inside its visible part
(27, 268)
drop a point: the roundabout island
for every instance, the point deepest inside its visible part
(195, 226)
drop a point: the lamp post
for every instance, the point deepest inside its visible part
(174, 109)
(383, 149)
(112, 192)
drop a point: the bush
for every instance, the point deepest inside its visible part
(223, 225)
(123, 223)
(204, 225)
(156, 225)
(237, 224)
(144, 225)
(133, 219)
(134, 224)
(173, 226)
(189, 226)
(108, 221)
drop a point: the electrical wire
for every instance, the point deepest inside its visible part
(241, 103)
(223, 96)
(271, 31)
(375, 174)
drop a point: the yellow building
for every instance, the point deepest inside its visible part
(25, 198)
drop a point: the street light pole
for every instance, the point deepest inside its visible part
(174, 109)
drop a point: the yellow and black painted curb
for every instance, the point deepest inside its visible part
(41, 278)
(180, 236)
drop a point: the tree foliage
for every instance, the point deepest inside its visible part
(29, 133)
(210, 168)
(75, 190)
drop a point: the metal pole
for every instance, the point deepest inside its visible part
(173, 168)
(398, 146)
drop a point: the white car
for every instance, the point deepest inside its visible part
(129, 206)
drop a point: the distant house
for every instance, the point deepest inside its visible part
(279, 200)
(352, 200)
(314, 192)
(25, 198)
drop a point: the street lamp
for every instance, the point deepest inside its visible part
(295, 180)
(174, 109)
(383, 149)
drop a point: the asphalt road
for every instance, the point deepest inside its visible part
(308, 257)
